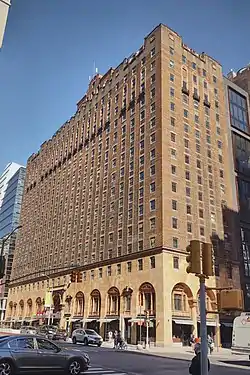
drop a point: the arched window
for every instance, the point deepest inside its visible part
(127, 299)
(95, 303)
(182, 298)
(147, 298)
(29, 310)
(113, 307)
(79, 304)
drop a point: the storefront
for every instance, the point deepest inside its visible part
(182, 330)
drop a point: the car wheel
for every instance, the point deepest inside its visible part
(75, 367)
(6, 368)
(74, 340)
(86, 341)
(99, 345)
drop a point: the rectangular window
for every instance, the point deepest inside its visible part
(174, 223)
(100, 273)
(173, 169)
(171, 64)
(152, 138)
(185, 113)
(175, 243)
(176, 263)
(152, 223)
(119, 269)
(152, 170)
(141, 210)
(152, 242)
(152, 262)
(129, 267)
(152, 154)
(189, 211)
(140, 264)
(109, 271)
(187, 159)
(189, 227)
(171, 77)
(174, 187)
(173, 137)
(174, 204)
(152, 205)
(172, 106)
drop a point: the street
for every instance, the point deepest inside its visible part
(110, 362)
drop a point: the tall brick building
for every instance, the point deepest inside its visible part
(120, 190)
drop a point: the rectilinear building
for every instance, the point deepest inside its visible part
(120, 190)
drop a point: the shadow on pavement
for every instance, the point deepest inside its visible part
(237, 363)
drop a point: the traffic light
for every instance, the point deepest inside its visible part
(73, 276)
(231, 299)
(2, 266)
(194, 257)
(79, 277)
(207, 259)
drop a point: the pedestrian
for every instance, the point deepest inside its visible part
(110, 335)
(115, 339)
(195, 367)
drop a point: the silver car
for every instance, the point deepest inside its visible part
(32, 354)
(28, 330)
(87, 336)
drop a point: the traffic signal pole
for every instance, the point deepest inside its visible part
(203, 327)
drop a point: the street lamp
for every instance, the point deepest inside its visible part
(2, 258)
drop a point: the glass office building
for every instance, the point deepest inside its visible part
(11, 204)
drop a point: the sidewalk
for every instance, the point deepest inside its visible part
(186, 354)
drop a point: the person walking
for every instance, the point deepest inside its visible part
(195, 367)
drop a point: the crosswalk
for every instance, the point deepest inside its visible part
(102, 371)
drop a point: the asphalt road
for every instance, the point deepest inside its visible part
(110, 362)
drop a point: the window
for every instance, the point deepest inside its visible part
(24, 343)
(152, 205)
(214, 79)
(174, 204)
(171, 77)
(188, 191)
(186, 143)
(111, 237)
(152, 154)
(185, 113)
(100, 273)
(186, 128)
(152, 262)
(152, 187)
(152, 123)
(152, 170)
(152, 138)
(175, 243)
(189, 209)
(173, 169)
(44, 344)
(120, 234)
(141, 176)
(176, 263)
(152, 79)
(189, 227)
(109, 271)
(174, 187)
(130, 231)
(173, 137)
(119, 269)
(172, 106)
(171, 50)
(171, 64)
(129, 267)
(172, 121)
(129, 248)
(194, 79)
(184, 59)
(201, 214)
(202, 231)
(172, 92)
(187, 175)
(193, 65)
(140, 228)
(174, 223)
(152, 242)
(173, 153)
(141, 192)
(142, 160)
(140, 209)
(140, 264)
(187, 159)
(152, 223)
(200, 196)
(199, 180)
(152, 52)
(140, 245)
(198, 164)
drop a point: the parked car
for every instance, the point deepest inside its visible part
(87, 336)
(33, 354)
(28, 330)
(51, 332)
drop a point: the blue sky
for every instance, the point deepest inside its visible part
(50, 47)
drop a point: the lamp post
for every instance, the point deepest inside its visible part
(2, 258)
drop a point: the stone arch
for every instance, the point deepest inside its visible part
(21, 303)
(147, 298)
(95, 303)
(79, 304)
(182, 299)
(211, 300)
(38, 301)
(29, 302)
(113, 301)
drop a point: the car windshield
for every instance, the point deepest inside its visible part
(91, 332)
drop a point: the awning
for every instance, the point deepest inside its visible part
(136, 320)
(106, 320)
(187, 322)
(211, 323)
(76, 320)
(88, 320)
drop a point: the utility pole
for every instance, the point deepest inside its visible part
(203, 327)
